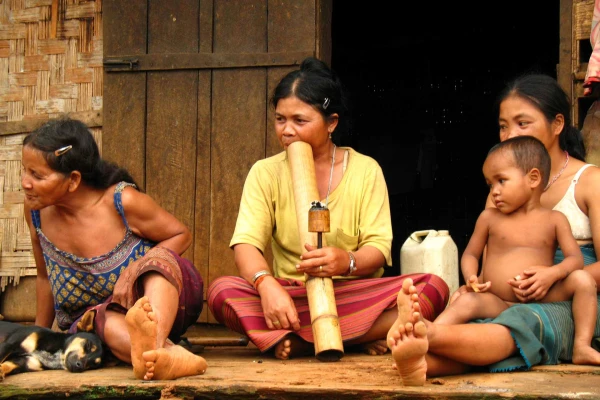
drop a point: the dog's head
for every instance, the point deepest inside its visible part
(83, 351)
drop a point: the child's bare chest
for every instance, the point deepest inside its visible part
(531, 231)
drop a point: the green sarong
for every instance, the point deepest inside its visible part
(543, 332)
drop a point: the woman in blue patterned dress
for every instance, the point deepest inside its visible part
(107, 251)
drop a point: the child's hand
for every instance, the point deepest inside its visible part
(519, 283)
(536, 282)
(475, 286)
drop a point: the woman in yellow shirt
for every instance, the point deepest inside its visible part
(269, 304)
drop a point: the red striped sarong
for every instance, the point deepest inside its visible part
(235, 303)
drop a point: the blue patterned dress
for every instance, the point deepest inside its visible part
(77, 282)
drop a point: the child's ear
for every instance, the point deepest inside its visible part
(535, 177)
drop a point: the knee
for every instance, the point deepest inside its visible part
(467, 302)
(582, 279)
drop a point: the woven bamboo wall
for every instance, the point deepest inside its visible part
(50, 65)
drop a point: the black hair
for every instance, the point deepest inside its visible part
(528, 153)
(544, 93)
(82, 156)
(319, 86)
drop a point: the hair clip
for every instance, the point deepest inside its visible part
(62, 150)
(326, 103)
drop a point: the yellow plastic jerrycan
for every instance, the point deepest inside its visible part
(431, 251)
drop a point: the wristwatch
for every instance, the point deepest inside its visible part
(352, 267)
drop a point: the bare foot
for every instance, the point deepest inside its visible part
(585, 355)
(141, 324)
(409, 345)
(375, 348)
(172, 362)
(408, 306)
(292, 346)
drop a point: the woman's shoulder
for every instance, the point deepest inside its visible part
(588, 182)
(266, 170)
(273, 160)
(588, 173)
(125, 193)
(361, 159)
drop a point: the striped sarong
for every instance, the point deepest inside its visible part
(543, 333)
(235, 303)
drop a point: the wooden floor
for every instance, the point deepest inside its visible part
(242, 372)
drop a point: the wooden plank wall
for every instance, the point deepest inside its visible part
(188, 136)
(50, 64)
(194, 132)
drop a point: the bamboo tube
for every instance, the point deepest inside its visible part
(321, 299)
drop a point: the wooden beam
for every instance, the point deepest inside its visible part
(564, 73)
(92, 119)
(166, 62)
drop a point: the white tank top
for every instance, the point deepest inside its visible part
(580, 223)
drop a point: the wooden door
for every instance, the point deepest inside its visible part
(186, 88)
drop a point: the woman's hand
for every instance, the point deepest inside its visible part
(277, 305)
(324, 262)
(121, 293)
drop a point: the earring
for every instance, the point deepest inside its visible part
(329, 135)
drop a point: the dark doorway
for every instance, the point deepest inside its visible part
(423, 80)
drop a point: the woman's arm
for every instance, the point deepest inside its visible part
(149, 220)
(573, 259)
(44, 314)
(249, 261)
(278, 306)
(589, 190)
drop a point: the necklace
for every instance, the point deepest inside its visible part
(555, 177)
(331, 175)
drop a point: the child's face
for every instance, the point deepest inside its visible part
(509, 186)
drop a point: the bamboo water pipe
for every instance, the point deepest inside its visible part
(321, 299)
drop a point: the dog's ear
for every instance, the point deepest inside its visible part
(86, 323)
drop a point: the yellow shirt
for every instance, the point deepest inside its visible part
(359, 212)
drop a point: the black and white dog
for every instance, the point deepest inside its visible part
(27, 348)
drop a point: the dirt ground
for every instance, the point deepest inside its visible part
(239, 371)
(242, 372)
